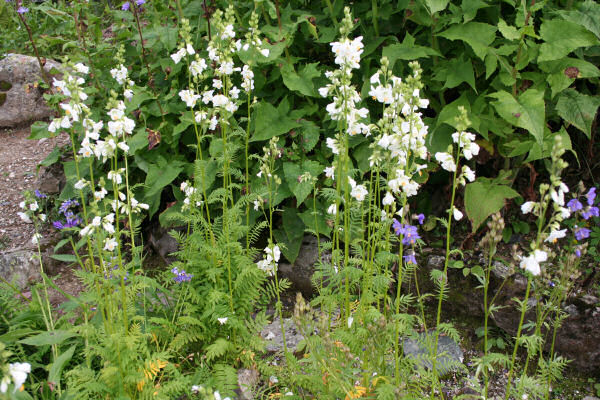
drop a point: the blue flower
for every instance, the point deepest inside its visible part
(39, 194)
(409, 233)
(140, 2)
(410, 259)
(22, 10)
(181, 276)
(125, 6)
(591, 196)
(590, 212)
(574, 205)
(421, 218)
(582, 233)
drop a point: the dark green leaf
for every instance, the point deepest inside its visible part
(562, 37)
(39, 130)
(478, 35)
(301, 81)
(528, 112)
(485, 197)
(57, 366)
(578, 109)
(269, 122)
(48, 338)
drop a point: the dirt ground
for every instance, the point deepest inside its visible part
(19, 159)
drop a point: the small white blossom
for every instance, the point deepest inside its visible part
(222, 321)
(527, 207)
(110, 244)
(457, 214)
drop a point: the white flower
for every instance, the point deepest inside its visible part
(22, 205)
(197, 67)
(359, 192)
(34, 206)
(329, 172)
(115, 176)
(388, 199)
(532, 262)
(555, 235)
(470, 150)
(332, 209)
(333, 145)
(119, 74)
(218, 396)
(220, 100)
(24, 217)
(350, 321)
(189, 97)
(228, 32)
(457, 214)
(273, 379)
(273, 254)
(527, 207)
(178, 56)
(110, 244)
(222, 321)
(123, 146)
(213, 123)
(190, 49)
(35, 239)
(468, 173)
(265, 52)
(42, 217)
(19, 372)
(80, 184)
(82, 69)
(348, 52)
(446, 160)
(234, 92)
(200, 116)
(128, 94)
(99, 195)
(256, 205)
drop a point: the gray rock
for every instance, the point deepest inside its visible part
(248, 379)
(52, 179)
(590, 398)
(301, 271)
(449, 354)
(274, 339)
(20, 267)
(163, 243)
(21, 98)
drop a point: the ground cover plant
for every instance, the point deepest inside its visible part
(246, 125)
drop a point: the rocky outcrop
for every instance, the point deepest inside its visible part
(21, 97)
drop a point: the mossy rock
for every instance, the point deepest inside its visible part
(5, 86)
(2, 99)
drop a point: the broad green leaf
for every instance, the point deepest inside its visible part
(293, 171)
(562, 37)
(160, 175)
(562, 73)
(48, 338)
(302, 80)
(52, 157)
(12, 336)
(319, 223)
(509, 32)
(527, 112)
(483, 198)
(450, 111)
(403, 51)
(587, 15)
(310, 135)
(578, 109)
(39, 130)
(57, 366)
(455, 72)
(269, 122)
(470, 8)
(291, 235)
(70, 258)
(435, 6)
(478, 35)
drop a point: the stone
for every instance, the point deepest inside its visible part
(449, 354)
(20, 267)
(163, 243)
(301, 271)
(274, 339)
(23, 100)
(51, 180)
(248, 379)
(590, 398)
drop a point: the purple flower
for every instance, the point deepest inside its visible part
(39, 194)
(421, 218)
(590, 212)
(574, 205)
(410, 259)
(591, 196)
(58, 225)
(409, 233)
(66, 205)
(140, 2)
(125, 6)
(577, 253)
(582, 233)
(181, 276)
(22, 10)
